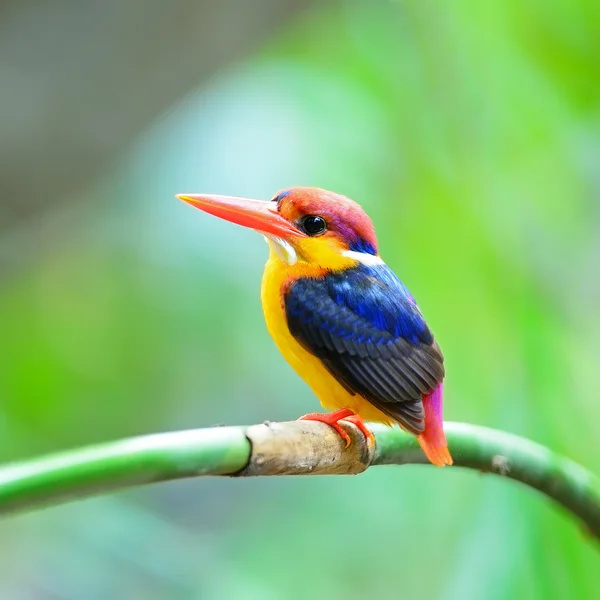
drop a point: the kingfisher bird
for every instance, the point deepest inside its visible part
(340, 316)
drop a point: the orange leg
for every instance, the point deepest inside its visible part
(345, 414)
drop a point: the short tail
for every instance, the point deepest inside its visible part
(433, 440)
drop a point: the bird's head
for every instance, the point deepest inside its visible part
(302, 224)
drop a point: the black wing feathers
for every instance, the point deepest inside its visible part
(370, 335)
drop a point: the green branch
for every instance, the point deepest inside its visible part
(293, 448)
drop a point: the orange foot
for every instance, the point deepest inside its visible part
(345, 414)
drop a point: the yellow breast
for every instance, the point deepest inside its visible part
(330, 393)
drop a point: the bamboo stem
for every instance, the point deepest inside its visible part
(292, 448)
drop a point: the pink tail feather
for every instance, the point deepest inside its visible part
(433, 440)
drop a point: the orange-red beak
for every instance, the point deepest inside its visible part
(256, 214)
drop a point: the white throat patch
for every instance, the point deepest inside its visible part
(284, 250)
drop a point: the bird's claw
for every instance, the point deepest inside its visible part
(358, 421)
(333, 419)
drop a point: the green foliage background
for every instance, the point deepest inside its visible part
(470, 132)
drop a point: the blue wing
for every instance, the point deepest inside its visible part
(369, 333)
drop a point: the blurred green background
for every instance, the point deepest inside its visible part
(469, 131)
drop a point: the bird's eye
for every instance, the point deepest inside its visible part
(313, 225)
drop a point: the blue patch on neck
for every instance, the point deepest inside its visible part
(361, 245)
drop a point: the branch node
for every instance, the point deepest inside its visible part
(500, 464)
